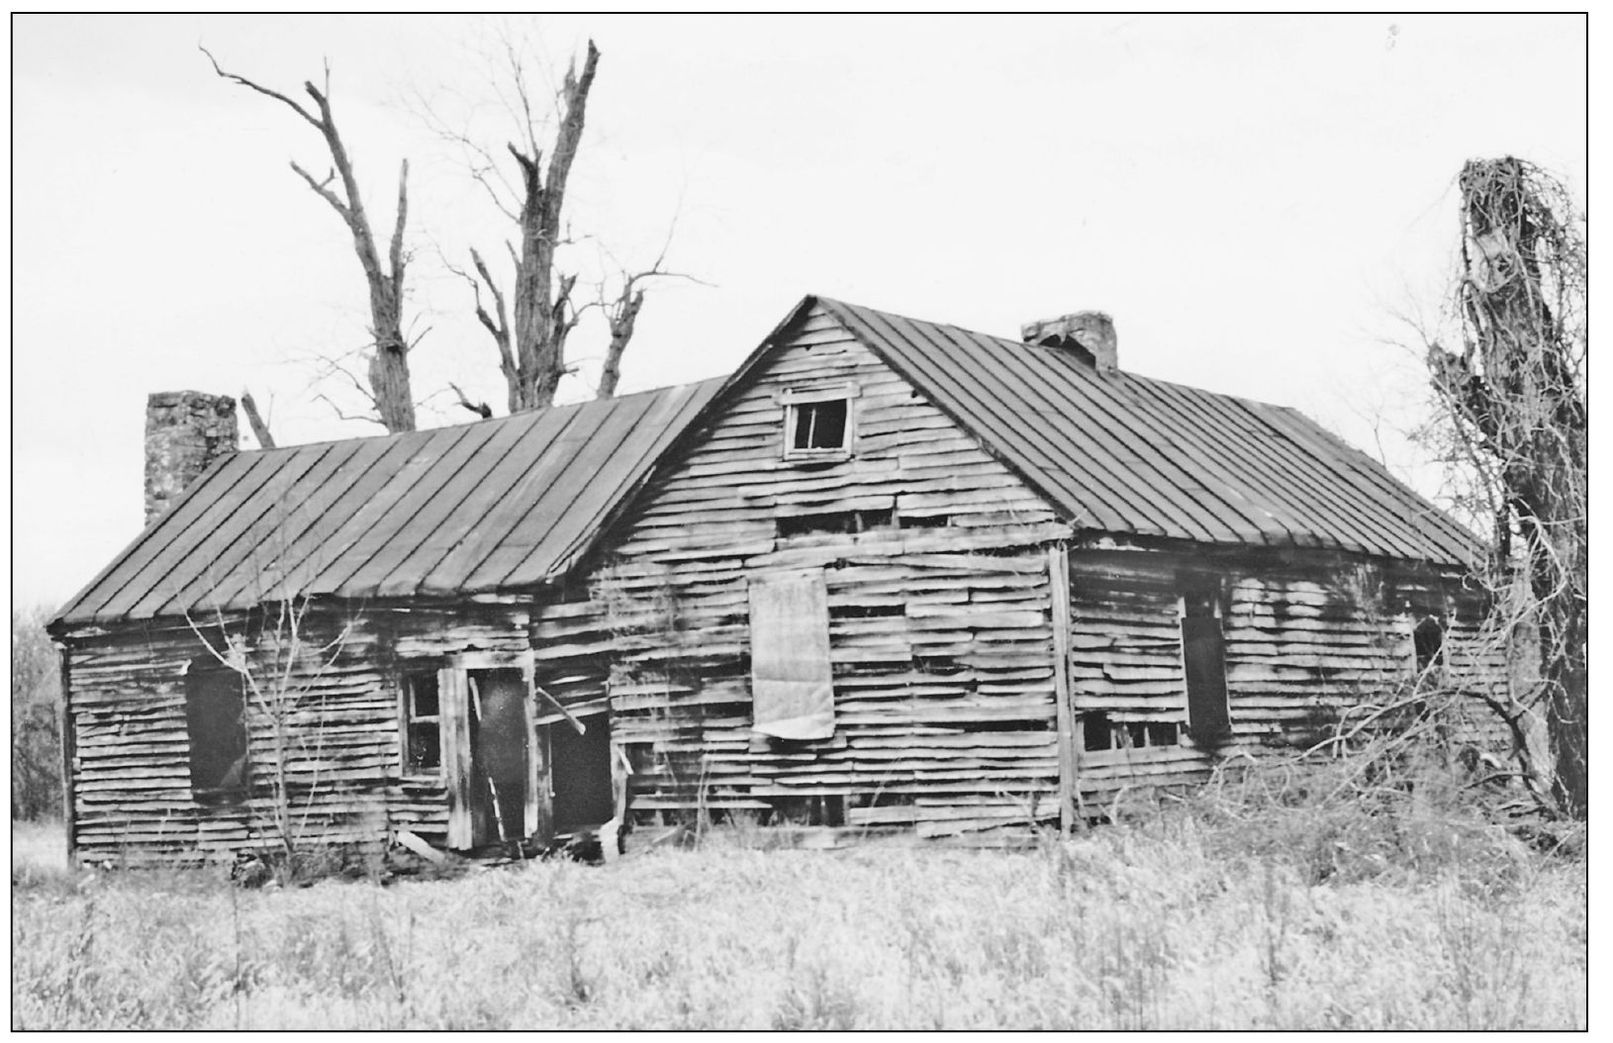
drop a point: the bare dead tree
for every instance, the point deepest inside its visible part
(389, 389)
(1513, 399)
(531, 324)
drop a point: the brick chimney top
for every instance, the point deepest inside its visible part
(1088, 334)
(185, 432)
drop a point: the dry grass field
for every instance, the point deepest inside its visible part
(1181, 919)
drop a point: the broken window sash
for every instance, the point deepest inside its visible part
(215, 722)
(819, 423)
(422, 721)
(792, 683)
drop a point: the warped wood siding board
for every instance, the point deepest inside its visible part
(132, 781)
(940, 638)
(1303, 637)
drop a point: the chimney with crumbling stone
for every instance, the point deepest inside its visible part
(1090, 334)
(185, 432)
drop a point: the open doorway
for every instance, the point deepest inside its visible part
(499, 764)
(580, 774)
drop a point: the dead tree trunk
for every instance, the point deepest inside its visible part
(532, 347)
(388, 369)
(1517, 393)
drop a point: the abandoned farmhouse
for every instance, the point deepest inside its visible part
(888, 575)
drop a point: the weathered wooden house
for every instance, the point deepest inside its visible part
(889, 574)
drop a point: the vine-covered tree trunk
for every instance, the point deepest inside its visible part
(1517, 392)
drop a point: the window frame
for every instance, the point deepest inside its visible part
(407, 717)
(792, 399)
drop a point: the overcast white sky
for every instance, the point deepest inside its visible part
(1254, 199)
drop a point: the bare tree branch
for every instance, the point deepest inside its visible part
(388, 362)
(481, 409)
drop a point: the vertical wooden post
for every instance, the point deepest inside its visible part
(1058, 577)
(539, 822)
(453, 708)
(69, 748)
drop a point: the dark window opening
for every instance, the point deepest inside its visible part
(819, 425)
(834, 522)
(422, 715)
(1096, 732)
(215, 719)
(1100, 733)
(1141, 735)
(1204, 665)
(1428, 640)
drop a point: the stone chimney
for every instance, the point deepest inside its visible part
(185, 432)
(1089, 334)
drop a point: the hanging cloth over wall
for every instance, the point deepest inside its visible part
(791, 684)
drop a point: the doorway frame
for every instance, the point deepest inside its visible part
(453, 685)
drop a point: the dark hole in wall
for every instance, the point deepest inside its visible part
(817, 810)
(1204, 664)
(1096, 731)
(580, 773)
(1428, 639)
(939, 665)
(927, 521)
(215, 718)
(1031, 725)
(833, 522)
(866, 611)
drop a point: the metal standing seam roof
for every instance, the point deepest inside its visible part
(481, 507)
(1128, 454)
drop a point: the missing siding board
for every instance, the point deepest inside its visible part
(833, 522)
(866, 611)
(215, 720)
(927, 521)
(824, 810)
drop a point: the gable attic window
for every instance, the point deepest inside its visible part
(422, 721)
(1204, 665)
(215, 722)
(819, 423)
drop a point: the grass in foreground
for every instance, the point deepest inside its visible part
(1184, 921)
